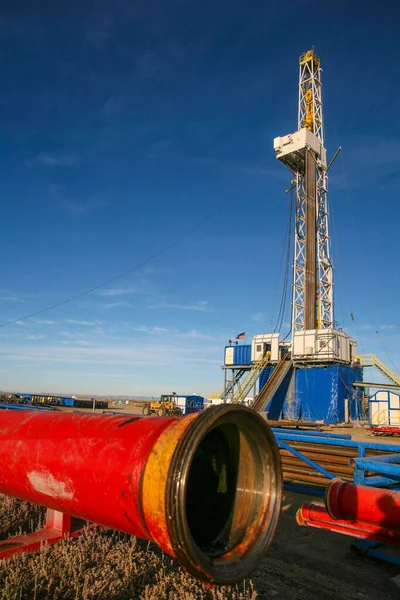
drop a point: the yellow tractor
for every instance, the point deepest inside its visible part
(165, 406)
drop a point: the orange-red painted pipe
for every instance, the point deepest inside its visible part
(365, 504)
(206, 488)
(313, 515)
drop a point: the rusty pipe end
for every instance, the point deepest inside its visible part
(222, 493)
(332, 495)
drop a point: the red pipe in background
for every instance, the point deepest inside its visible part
(206, 488)
(377, 506)
(313, 515)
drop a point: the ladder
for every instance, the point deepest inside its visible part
(245, 386)
(371, 360)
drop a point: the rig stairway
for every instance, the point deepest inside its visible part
(273, 384)
(224, 395)
(370, 360)
(243, 387)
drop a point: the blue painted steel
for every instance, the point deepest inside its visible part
(386, 458)
(374, 480)
(335, 442)
(264, 376)
(320, 393)
(193, 404)
(307, 460)
(21, 407)
(300, 489)
(242, 354)
(387, 466)
(368, 547)
(322, 434)
(282, 397)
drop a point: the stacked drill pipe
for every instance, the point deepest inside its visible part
(332, 458)
(331, 453)
(358, 511)
(205, 487)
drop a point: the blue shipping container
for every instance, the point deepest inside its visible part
(242, 354)
(194, 404)
(68, 401)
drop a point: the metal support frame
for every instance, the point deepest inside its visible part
(231, 383)
(311, 117)
(58, 525)
(284, 437)
(385, 469)
(370, 548)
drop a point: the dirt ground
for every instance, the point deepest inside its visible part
(302, 564)
(307, 564)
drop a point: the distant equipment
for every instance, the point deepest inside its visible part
(384, 412)
(174, 405)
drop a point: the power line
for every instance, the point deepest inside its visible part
(387, 353)
(282, 307)
(124, 273)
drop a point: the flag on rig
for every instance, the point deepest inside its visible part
(241, 336)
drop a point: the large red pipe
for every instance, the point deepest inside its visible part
(313, 515)
(377, 506)
(206, 488)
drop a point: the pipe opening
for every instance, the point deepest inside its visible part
(212, 489)
(225, 493)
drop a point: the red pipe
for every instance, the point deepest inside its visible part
(312, 515)
(206, 487)
(364, 504)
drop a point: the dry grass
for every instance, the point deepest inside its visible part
(18, 516)
(97, 566)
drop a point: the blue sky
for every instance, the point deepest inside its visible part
(124, 124)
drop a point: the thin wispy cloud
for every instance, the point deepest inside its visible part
(249, 168)
(152, 330)
(117, 304)
(193, 334)
(77, 353)
(384, 327)
(258, 317)
(83, 322)
(71, 335)
(45, 159)
(11, 299)
(35, 337)
(200, 305)
(110, 292)
(43, 321)
(76, 209)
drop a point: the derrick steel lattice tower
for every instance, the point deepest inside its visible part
(304, 153)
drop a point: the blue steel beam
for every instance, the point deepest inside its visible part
(322, 434)
(308, 461)
(386, 458)
(388, 469)
(290, 437)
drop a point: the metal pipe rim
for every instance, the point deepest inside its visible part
(253, 478)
